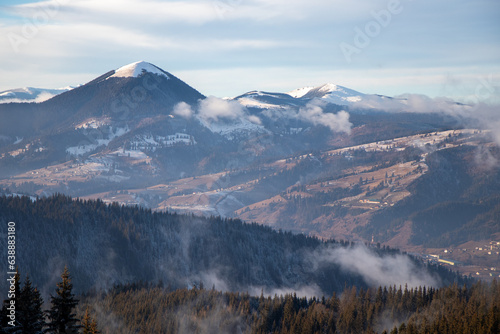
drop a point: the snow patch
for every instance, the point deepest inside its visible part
(136, 69)
(329, 92)
(232, 129)
(299, 92)
(83, 149)
(152, 142)
(134, 154)
(249, 102)
(92, 124)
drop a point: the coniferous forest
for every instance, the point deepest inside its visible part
(90, 267)
(146, 308)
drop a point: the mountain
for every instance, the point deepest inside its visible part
(329, 92)
(326, 161)
(266, 100)
(127, 106)
(30, 94)
(135, 90)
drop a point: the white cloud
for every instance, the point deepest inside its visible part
(254, 119)
(193, 35)
(376, 270)
(215, 109)
(197, 12)
(183, 109)
(313, 113)
(486, 116)
(309, 291)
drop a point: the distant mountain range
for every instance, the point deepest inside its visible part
(327, 160)
(30, 94)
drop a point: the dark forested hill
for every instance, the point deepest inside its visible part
(104, 245)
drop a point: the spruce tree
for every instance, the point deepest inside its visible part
(30, 313)
(61, 316)
(89, 324)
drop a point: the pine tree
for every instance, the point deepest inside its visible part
(61, 316)
(89, 324)
(30, 313)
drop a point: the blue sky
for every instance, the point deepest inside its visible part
(227, 47)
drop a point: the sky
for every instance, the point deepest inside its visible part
(228, 47)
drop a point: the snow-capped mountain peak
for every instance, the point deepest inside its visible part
(134, 70)
(329, 87)
(330, 92)
(299, 92)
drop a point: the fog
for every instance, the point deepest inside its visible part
(386, 270)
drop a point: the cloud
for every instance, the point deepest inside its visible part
(254, 119)
(488, 117)
(183, 109)
(385, 270)
(210, 279)
(44, 96)
(483, 115)
(194, 12)
(408, 103)
(485, 159)
(214, 109)
(313, 113)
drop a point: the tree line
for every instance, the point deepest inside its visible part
(23, 312)
(144, 308)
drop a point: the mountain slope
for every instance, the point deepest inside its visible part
(107, 245)
(114, 95)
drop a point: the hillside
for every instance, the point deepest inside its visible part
(104, 245)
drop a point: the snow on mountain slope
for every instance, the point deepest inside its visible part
(334, 94)
(329, 92)
(232, 129)
(134, 70)
(89, 147)
(30, 94)
(299, 92)
(266, 100)
(263, 100)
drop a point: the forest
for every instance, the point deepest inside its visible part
(146, 308)
(108, 244)
(131, 270)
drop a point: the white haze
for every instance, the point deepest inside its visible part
(385, 270)
(309, 291)
(183, 109)
(484, 115)
(42, 97)
(313, 113)
(213, 109)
